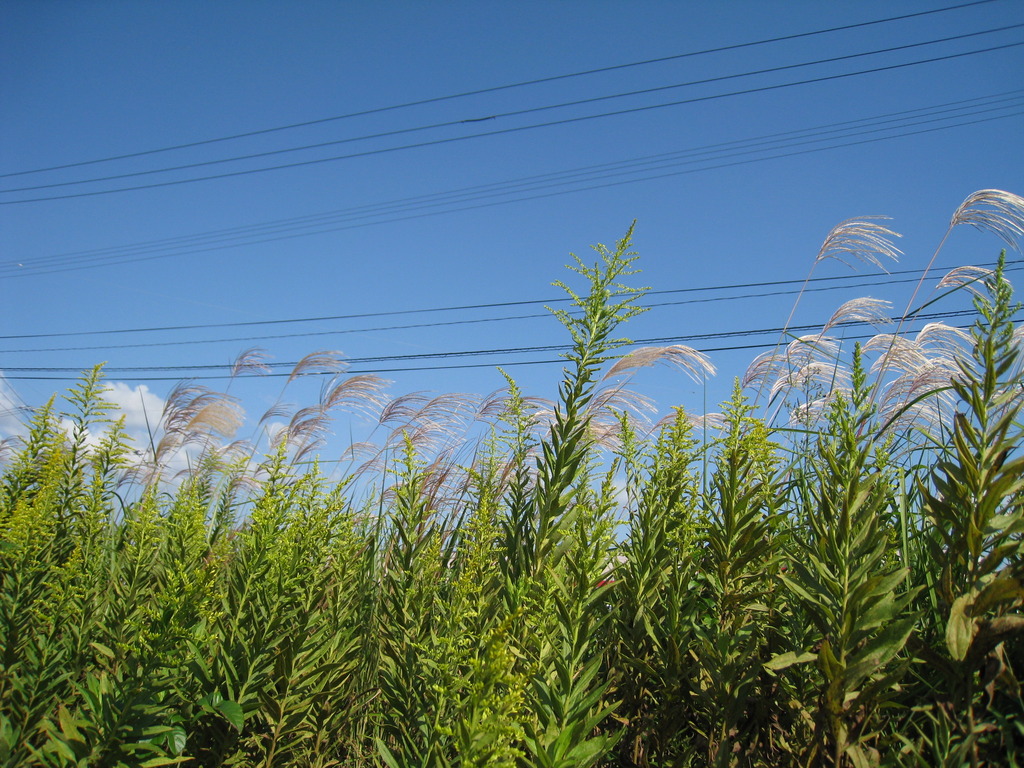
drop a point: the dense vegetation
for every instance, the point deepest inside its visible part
(842, 589)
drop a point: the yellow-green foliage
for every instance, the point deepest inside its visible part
(765, 598)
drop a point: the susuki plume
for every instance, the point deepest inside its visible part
(695, 364)
(863, 310)
(251, 361)
(895, 351)
(993, 210)
(966, 277)
(603, 413)
(714, 421)
(318, 362)
(193, 410)
(192, 415)
(948, 342)
(361, 393)
(862, 239)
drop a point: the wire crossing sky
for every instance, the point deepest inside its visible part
(401, 181)
(497, 88)
(503, 131)
(884, 127)
(531, 110)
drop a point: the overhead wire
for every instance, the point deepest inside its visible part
(388, 206)
(473, 321)
(495, 89)
(481, 352)
(506, 131)
(477, 353)
(450, 354)
(886, 278)
(510, 113)
(255, 234)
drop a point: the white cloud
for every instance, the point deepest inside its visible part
(135, 403)
(141, 408)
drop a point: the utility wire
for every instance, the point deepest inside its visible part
(508, 363)
(883, 279)
(479, 352)
(255, 234)
(505, 131)
(524, 198)
(503, 115)
(20, 271)
(496, 89)
(391, 205)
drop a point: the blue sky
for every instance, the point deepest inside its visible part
(86, 81)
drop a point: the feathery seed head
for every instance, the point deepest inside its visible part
(251, 361)
(996, 211)
(328, 361)
(863, 310)
(695, 364)
(862, 239)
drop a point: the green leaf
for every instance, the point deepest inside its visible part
(155, 762)
(102, 649)
(830, 666)
(879, 651)
(386, 754)
(176, 740)
(68, 724)
(1000, 590)
(859, 758)
(232, 712)
(784, 660)
(961, 628)
(587, 753)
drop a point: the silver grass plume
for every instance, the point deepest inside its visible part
(895, 352)
(862, 239)
(995, 211)
(714, 421)
(325, 361)
(988, 209)
(966, 276)
(362, 394)
(251, 361)
(277, 411)
(192, 415)
(695, 364)
(310, 426)
(917, 399)
(952, 341)
(438, 420)
(603, 414)
(402, 409)
(863, 310)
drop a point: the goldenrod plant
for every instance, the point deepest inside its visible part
(828, 573)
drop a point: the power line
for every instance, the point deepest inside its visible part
(468, 353)
(835, 127)
(881, 280)
(478, 353)
(505, 131)
(495, 89)
(502, 115)
(442, 355)
(886, 278)
(989, 102)
(250, 235)
(300, 335)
